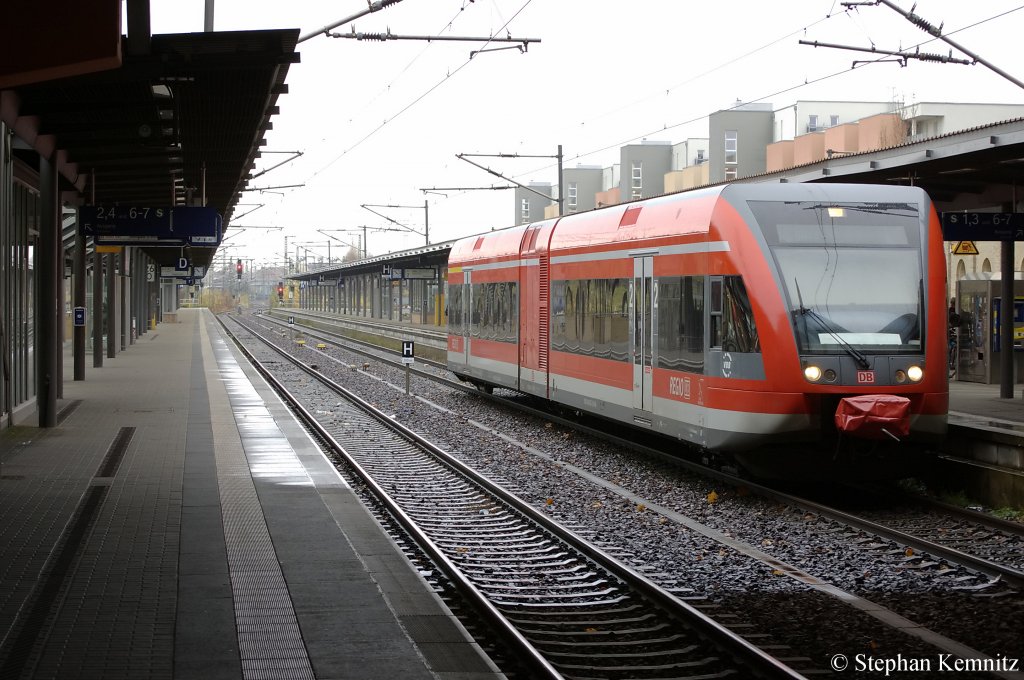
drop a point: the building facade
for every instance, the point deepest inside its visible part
(530, 205)
(642, 169)
(803, 117)
(738, 138)
(582, 184)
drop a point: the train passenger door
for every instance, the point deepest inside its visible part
(642, 306)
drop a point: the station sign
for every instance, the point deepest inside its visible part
(965, 248)
(174, 273)
(982, 226)
(188, 272)
(128, 225)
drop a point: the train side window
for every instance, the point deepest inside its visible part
(715, 320)
(455, 309)
(507, 313)
(681, 323)
(732, 318)
(570, 334)
(590, 317)
(558, 315)
(618, 313)
(495, 311)
(476, 312)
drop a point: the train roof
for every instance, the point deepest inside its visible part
(502, 244)
(667, 216)
(806, 191)
(670, 215)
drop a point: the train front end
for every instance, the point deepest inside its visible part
(860, 322)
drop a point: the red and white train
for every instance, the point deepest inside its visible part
(743, 318)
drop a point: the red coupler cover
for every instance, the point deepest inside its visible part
(868, 415)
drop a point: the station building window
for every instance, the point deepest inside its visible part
(731, 157)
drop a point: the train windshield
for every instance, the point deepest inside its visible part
(851, 271)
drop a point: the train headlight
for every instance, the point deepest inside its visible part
(812, 373)
(830, 375)
(901, 376)
(915, 373)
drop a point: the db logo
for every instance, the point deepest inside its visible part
(865, 377)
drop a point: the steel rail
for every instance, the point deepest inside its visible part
(750, 654)
(530, 656)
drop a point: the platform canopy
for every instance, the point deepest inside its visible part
(184, 115)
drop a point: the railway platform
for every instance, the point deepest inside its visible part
(984, 446)
(975, 403)
(179, 523)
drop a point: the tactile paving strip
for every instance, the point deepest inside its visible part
(269, 639)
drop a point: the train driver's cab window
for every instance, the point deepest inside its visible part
(851, 271)
(731, 318)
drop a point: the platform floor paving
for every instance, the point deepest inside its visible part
(972, 404)
(179, 523)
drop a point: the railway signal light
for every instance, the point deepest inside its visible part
(280, 291)
(238, 269)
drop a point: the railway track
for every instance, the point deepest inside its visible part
(573, 609)
(885, 548)
(931, 534)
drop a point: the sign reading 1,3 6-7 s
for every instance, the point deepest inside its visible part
(982, 226)
(128, 225)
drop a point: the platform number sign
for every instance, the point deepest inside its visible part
(408, 351)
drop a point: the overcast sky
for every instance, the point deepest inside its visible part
(379, 121)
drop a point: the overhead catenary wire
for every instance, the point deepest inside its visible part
(936, 31)
(504, 26)
(387, 87)
(761, 98)
(373, 7)
(415, 101)
(655, 130)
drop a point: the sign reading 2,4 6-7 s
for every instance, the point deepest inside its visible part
(128, 225)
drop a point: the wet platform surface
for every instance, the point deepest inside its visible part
(179, 523)
(979, 405)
